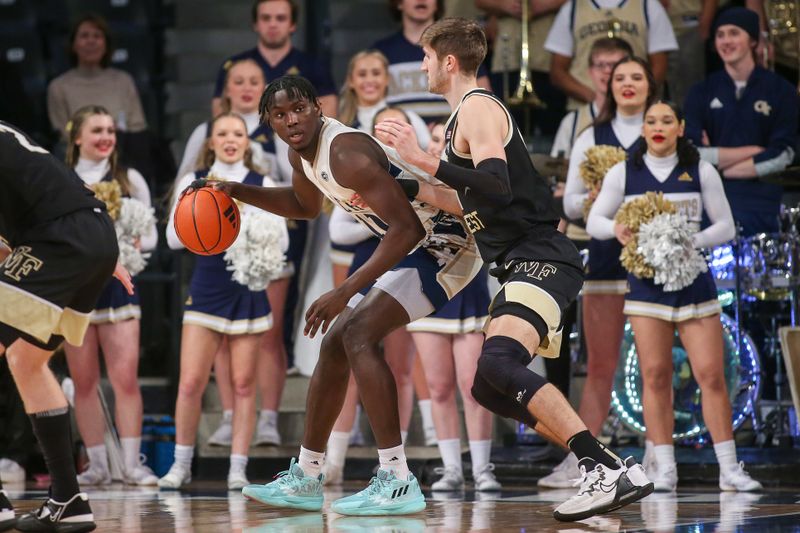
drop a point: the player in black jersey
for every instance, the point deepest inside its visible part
(508, 207)
(61, 249)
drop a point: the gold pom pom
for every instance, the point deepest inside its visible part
(599, 159)
(632, 215)
(110, 193)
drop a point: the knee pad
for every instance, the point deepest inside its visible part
(500, 404)
(503, 364)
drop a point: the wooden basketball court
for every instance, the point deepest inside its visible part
(208, 507)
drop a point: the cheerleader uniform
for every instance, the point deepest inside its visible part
(466, 312)
(693, 190)
(114, 303)
(216, 301)
(604, 273)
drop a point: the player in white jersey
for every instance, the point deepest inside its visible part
(425, 257)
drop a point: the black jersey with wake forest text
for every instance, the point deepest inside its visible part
(497, 228)
(35, 187)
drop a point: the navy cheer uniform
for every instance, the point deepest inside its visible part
(764, 114)
(604, 272)
(644, 297)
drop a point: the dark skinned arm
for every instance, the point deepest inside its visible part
(360, 164)
(300, 201)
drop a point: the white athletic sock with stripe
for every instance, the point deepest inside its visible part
(394, 460)
(311, 462)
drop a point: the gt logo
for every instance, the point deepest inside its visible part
(761, 106)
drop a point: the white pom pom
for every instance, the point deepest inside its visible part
(134, 220)
(666, 244)
(256, 257)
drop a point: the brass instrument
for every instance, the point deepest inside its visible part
(783, 21)
(525, 93)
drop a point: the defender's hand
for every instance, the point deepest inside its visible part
(400, 136)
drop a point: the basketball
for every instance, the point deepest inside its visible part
(207, 221)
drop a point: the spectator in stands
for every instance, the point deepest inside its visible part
(92, 81)
(218, 310)
(506, 56)
(691, 20)
(642, 23)
(408, 84)
(743, 119)
(274, 21)
(16, 434)
(114, 329)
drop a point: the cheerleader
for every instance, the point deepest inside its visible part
(219, 310)
(630, 88)
(114, 328)
(670, 164)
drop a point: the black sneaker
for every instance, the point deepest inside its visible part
(7, 518)
(72, 516)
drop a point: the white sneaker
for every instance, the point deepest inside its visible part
(736, 479)
(237, 480)
(266, 433)
(603, 490)
(141, 475)
(430, 435)
(563, 475)
(11, 472)
(7, 518)
(485, 481)
(452, 479)
(94, 476)
(665, 479)
(334, 474)
(177, 476)
(223, 435)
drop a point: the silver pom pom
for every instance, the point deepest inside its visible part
(666, 244)
(256, 257)
(134, 220)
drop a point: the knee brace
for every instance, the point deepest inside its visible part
(499, 403)
(503, 364)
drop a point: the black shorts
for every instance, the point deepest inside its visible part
(539, 290)
(51, 281)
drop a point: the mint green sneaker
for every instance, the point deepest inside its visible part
(291, 488)
(385, 495)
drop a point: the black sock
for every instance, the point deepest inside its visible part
(52, 430)
(584, 445)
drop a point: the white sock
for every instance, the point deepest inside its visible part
(184, 455)
(425, 411)
(131, 447)
(238, 463)
(394, 460)
(480, 451)
(450, 450)
(338, 443)
(403, 436)
(648, 447)
(356, 421)
(665, 455)
(270, 416)
(227, 416)
(726, 455)
(98, 457)
(311, 462)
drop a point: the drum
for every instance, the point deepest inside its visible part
(742, 377)
(769, 265)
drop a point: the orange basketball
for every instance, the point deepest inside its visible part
(207, 221)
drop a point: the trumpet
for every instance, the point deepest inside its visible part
(525, 93)
(783, 22)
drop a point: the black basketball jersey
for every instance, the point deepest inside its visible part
(498, 227)
(35, 187)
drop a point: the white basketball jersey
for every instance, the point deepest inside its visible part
(447, 238)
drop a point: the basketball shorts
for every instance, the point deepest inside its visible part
(420, 283)
(539, 290)
(52, 279)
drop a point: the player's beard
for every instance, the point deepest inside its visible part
(437, 81)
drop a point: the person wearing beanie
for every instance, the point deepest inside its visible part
(743, 119)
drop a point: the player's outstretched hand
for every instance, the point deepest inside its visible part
(121, 273)
(324, 310)
(401, 137)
